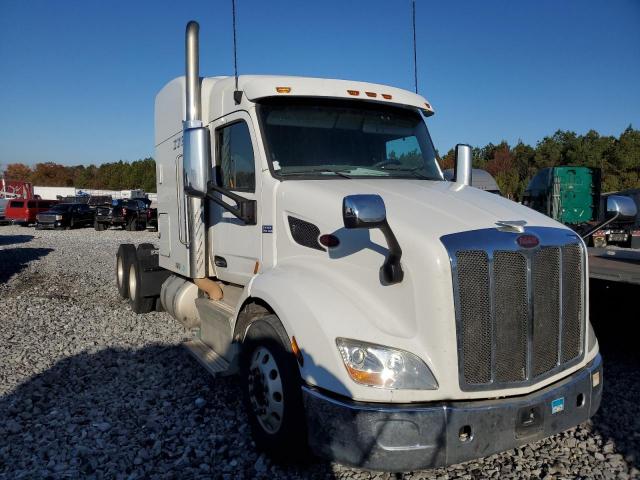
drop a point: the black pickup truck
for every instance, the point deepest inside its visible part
(65, 215)
(129, 214)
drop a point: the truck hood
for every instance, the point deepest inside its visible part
(435, 208)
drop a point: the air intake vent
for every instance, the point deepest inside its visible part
(305, 233)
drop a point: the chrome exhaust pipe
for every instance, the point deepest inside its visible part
(192, 72)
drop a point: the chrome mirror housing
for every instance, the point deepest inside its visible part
(363, 211)
(463, 164)
(621, 207)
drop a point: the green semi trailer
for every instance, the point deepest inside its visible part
(570, 195)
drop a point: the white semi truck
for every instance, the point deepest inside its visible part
(377, 314)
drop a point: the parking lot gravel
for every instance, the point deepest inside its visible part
(88, 389)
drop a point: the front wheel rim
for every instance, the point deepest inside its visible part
(265, 390)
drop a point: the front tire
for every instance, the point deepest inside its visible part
(272, 391)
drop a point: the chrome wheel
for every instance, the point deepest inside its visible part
(120, 271)
(265, 390)
(133, 283)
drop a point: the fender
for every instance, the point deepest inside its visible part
(313, 307)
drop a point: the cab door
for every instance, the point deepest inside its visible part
(236, 244)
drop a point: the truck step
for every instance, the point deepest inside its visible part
(207, 357)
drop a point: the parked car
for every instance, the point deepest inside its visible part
(24, 212)
(130, 214)
(66, 215)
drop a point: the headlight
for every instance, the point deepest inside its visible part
(384, 367)
(58, 217)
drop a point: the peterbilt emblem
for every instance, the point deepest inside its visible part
(528, 241)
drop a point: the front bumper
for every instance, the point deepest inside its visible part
(407, 437)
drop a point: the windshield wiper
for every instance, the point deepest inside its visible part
(319, 170)
(413, 171)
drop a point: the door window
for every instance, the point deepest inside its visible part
(237, 165)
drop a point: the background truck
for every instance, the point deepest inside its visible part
(130, 214)
(572, 196)
(568, 194)
(377, 314)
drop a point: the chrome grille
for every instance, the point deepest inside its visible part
(546, 309)
(572, 332)
(519, 312)
(511, 315)
(475, 315)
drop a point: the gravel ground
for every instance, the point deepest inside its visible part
(88, 389)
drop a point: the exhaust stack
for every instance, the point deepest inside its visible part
(192, 72)
(196, 161)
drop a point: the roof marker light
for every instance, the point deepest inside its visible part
(355, 93)
(428, 106)
(371, 94)
(386, 96)
(283, 89)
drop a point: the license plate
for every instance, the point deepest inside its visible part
(618, 237)
(557, 405)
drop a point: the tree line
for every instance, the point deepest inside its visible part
(108, 176)
(514, 166)
(511, 166)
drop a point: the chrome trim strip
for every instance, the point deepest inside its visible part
(490, 240)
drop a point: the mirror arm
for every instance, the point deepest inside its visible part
(391, 269)
(244, 208)
(599, 226)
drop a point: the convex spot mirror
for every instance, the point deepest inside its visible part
(363, 211)
(624, 208)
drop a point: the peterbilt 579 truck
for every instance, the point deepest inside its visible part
(376, 314)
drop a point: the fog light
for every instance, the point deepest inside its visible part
(595, 379)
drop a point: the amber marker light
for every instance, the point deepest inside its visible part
(355, 93)
(371, 94)
(386, 96)
(283, 89)
(296, 351)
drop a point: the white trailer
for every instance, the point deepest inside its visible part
(376, 313)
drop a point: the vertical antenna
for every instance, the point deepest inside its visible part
(415, 55)
(237, 94)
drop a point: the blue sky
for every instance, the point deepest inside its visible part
(78, 78)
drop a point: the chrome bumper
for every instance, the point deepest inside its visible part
(405, 437)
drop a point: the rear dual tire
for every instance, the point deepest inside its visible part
(124, 258)
(129, 278)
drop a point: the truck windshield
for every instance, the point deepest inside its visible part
(315, 138)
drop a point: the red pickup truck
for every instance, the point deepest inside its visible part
(23, 212)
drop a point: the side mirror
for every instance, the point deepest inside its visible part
(363, 211)
(368, 211)
(196, 159)
(463, 165)
(620, 207)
